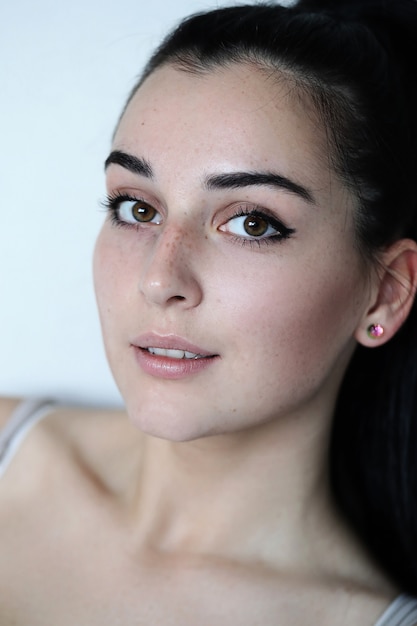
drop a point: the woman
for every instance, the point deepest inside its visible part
(255, 278)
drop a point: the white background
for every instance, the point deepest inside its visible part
(65, 69)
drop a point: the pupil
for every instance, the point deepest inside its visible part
(255, 226)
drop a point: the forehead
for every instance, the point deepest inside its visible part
(239, 106)
(235, 118)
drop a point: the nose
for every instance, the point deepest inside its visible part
(168, 276)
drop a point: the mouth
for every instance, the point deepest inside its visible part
(176, 354)
(171, 347)
(170, 356)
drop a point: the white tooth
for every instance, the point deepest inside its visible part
(158, 351)
(175, 354)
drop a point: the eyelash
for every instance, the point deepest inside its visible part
(283, 232)
(113, 201)
(112, 204)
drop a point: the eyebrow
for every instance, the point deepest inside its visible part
(237, 180)
(233, 180)
(132, 163)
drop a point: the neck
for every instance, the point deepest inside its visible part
(259, 492)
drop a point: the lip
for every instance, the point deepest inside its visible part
(170, 342)
(168, 367)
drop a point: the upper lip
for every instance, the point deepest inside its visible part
(170, 342)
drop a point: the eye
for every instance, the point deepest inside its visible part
(125, 210)
(133, 211)
(255, 224)
(252, 225)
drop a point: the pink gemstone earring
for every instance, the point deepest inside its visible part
(375, 331)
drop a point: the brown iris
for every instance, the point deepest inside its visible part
(255, 226)
(143, 212)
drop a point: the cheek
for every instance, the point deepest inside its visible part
(292, 324)
(108, 278)
(100, 269)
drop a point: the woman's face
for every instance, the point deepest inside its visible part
(230, 244)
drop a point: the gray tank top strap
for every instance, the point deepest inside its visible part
(402, 612)
(26, 414)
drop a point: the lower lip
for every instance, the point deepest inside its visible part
(172, 369)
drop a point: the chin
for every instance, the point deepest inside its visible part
(167, 425)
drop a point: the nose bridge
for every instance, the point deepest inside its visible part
(170, 275)
(173, 244)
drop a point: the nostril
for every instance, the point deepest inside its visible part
(179, 297)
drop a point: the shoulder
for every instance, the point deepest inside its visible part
(77, 443)
(7, 406)
(102, 441)
(401, 612)
(64, 481)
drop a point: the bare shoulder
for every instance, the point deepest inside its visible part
(79, 443)
(64, 481)
(7, 406)
(102, 441)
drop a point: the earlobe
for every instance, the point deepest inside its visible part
(396, 285)
(375, 331)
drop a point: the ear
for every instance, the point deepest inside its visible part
(394, 293)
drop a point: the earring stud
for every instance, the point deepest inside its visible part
(375, 331)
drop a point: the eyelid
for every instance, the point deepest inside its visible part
(247, 210)
(237, 210)
(114, 201)
(119, 190)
